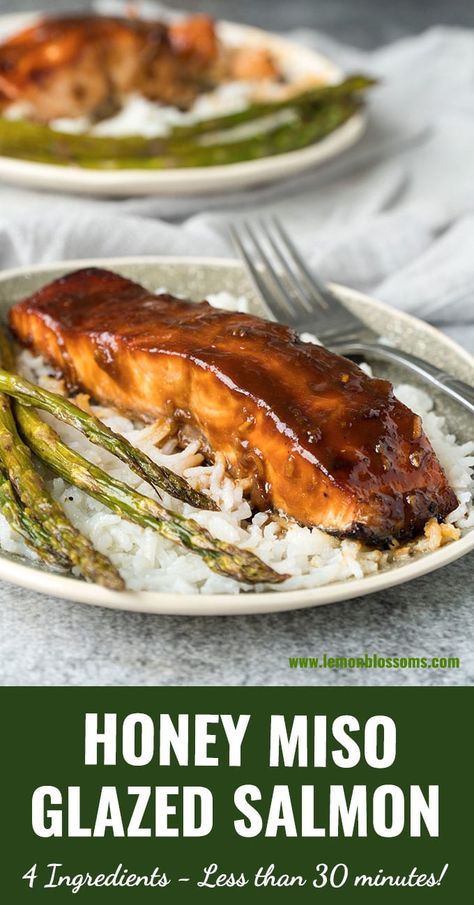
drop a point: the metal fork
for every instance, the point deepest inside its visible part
(294, 295)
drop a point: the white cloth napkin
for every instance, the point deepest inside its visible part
(393, 216)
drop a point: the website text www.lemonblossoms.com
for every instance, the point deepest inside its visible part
(373, 661)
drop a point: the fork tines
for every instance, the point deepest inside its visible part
(290, 290)
(279, 275)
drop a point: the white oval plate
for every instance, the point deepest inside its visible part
(193, 180)
(198, 277)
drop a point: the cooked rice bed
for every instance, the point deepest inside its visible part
(312, 558)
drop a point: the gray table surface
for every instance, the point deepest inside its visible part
(44, 641)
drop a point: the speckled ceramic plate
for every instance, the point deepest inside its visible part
(193, 180)
(197, 278)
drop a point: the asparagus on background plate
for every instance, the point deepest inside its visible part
(313, 114)
(309, 99)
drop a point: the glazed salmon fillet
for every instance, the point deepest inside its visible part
(68, 66)
(85, 65)
(315, 437)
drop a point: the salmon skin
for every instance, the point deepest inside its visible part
(315, 437)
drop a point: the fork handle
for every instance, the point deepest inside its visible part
(457, 389)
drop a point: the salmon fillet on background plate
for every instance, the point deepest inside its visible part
(85, 65)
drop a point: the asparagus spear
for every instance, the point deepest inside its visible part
(13, 511)
(310, 98)
(182, 148)
(97, 432)
(221, 557)
(15, 458)
(34, 141)
(30, 141)
(291, 136)
(19, 517)
(24, 524)
(304, 130)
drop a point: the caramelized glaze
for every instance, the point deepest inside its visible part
(318, 438)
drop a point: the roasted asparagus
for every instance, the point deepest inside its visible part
(312, 115)
(26, 525)
(148, 513)
(30, 490)
(21, 519)
(97, 432)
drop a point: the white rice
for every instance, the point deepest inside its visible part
(139, 116)
(147, 562)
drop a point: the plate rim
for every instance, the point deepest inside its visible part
(246, 603)
(189, 180)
